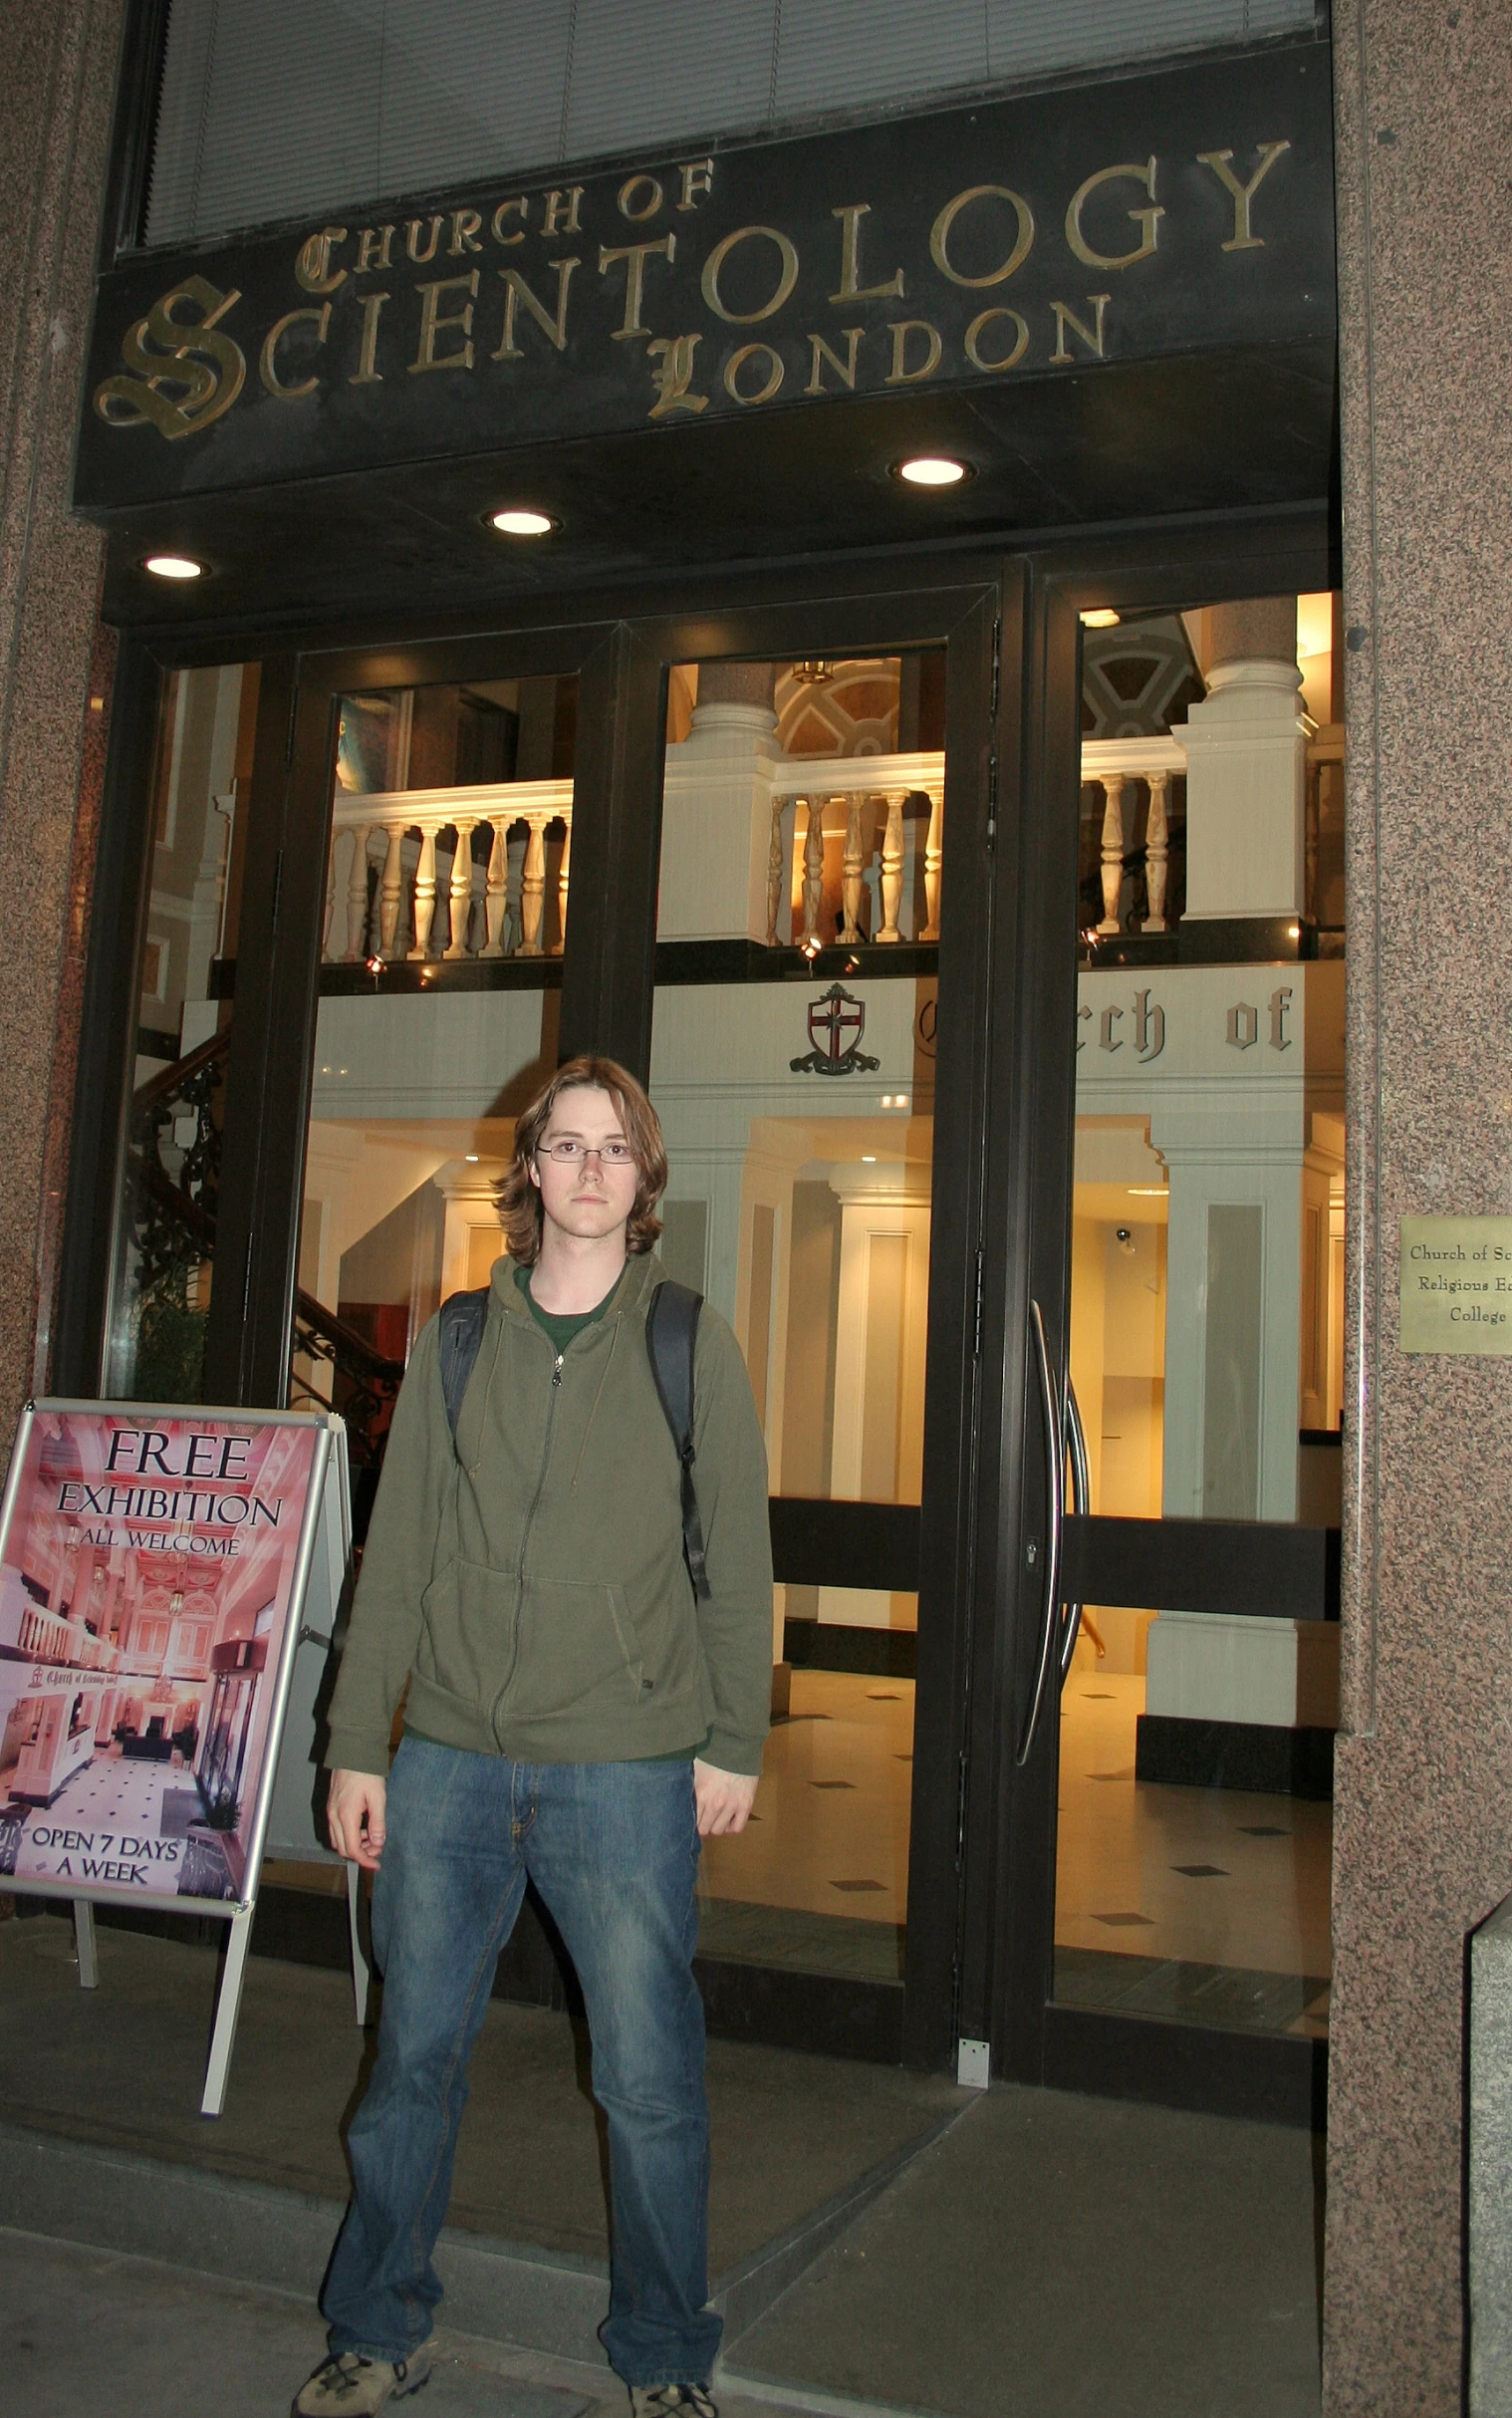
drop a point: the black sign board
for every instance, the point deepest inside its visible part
(1133, 219)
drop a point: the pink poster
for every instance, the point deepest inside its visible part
(146, 1585)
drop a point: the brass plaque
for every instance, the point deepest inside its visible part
(1457, 1285)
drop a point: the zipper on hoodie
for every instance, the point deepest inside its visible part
(551, 1419)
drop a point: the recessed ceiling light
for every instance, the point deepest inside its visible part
(522, 520)
(933, 470)
(173, 566)
(1102, 617)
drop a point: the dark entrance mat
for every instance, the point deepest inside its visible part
(1240, 1997)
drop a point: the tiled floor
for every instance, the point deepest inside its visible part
(119, 1816)
(1209, 1875)
(831, 1828)
(1202, 1902)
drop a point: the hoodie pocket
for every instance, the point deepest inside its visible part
(470, 1629)
(577, 1646)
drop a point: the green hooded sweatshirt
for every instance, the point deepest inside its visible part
(529, 1582)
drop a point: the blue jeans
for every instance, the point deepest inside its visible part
(613, 1849)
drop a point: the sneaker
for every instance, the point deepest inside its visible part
(659, 2400)
(349, 2386)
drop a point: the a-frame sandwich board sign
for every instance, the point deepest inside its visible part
(155, 1572)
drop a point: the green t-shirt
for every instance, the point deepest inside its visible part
(560, 1326)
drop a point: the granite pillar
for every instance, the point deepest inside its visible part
(1490, 2196)
(1423, 1811)
(58, 73)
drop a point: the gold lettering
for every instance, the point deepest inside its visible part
(268, 363)
(850, 289)
(559, 220)
(844, 370)
(1147, 219)
(1243, 239)
(972, 339)
(195, 355)
(373, 249)
(939, 234)
(366, 373)
(631, 188)
(787, 279)
(313, 266)
(675, 376)
(634, 257)
(900, 330)
(412, 240)
(434, 319)
(697, 177)
(466, 225)
(508, 210)
(1091, 337)
(516, 290)
(736, 363)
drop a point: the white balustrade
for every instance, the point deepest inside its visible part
(1112, 765)
(863, 797)
(383, 865)
(383, 859)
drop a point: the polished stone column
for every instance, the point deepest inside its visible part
(1424, 1812)
(57, 71)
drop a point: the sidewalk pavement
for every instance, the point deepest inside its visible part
(884, 2241)
(87, 2333)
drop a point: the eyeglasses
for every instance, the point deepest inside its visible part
(573, 1153)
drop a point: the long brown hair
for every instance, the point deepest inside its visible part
(520, 1209)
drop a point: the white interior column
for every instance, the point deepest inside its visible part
(881, 1204)
(1234, 1255)
(1251, 1166)
(717, 810)
(1246, 765)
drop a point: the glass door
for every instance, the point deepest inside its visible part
(793, 1064)
(1175, 1675)
(1206, 1332)
(811, 854)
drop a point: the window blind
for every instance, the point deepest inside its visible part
(284, 108)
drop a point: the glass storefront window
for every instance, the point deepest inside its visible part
(793, 1067)
(441, 983)
(1207, 1303)
(165, 1239)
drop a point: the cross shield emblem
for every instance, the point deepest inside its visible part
(836, 1022)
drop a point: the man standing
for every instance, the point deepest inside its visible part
(576, 1716)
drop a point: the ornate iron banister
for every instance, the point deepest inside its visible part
(172, 1227)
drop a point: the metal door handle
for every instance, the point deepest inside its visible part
(1081, 1502)
(1055, 1453)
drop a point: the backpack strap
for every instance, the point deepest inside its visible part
(671, 1333)
(462, 1318)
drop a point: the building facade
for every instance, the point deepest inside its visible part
(1051, 894)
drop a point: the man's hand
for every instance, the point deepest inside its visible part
(724, 1800)
(355, 1816)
